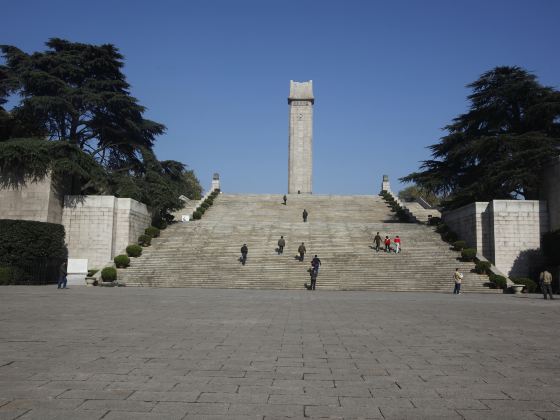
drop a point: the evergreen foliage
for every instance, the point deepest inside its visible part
(468, 254)
(134, 250)
(109, 274)
(152, 231)
(77, 119)
(497, 149)
(122, 261)
(25, 241)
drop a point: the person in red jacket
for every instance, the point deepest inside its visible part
(387, 244)
(397, 242)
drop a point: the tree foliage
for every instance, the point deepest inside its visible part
(77, 93)
(496, 150)
(77, 120)
(412, 192)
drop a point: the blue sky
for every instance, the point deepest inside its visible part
(387, 75)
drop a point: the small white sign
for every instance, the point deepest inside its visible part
(185, 218)
(77, 271)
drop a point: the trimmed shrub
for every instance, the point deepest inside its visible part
(468, 254)
(209, 200)
(160, 223)
(134, 251)
(530, 285)
(449, 236)
(92, 272)
(459, 245)
(152, 231)
(482, 267)
(122, 261)
(109, 274)
(197, 215)
(144, 240)
(434, 221)
(201, 210)
(499, 281)
(6, 275)
(205, 205)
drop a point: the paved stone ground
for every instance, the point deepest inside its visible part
(132, 353)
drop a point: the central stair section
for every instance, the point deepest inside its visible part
(339, 229)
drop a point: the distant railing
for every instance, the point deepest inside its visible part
(32, 272)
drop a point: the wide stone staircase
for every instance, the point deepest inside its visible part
(340, 230)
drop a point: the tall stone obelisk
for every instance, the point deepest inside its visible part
(300, 159)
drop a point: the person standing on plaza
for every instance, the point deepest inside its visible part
(387, 244)
(397, 242)
(546, 283)
(305, 214)
(281, 245)
(285, 199)
(313, 275)
(63, 275)
(244, 252)
(377, 242)
(301, 250)
(458, 277)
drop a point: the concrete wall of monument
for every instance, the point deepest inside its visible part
(97, 227)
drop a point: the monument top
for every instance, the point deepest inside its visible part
(301, 91)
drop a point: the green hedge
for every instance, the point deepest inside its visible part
(109, 274)
(134, 251)
(499, 281)
(24, 240)
(122, 261)
(459, 245)
(152, 231)
(144, 240)
(468, 254)
(197, 215)
(530, 285)
(482, 267)
(6, 275)
(205, 205)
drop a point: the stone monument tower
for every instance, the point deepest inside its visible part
(300, 160)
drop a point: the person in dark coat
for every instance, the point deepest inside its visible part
(62, 275)
(244, 252)
(285, 199)
(377, 240)
(315, 263)
(301, 250)
(313, 276)
(281, 245)
(305, 214)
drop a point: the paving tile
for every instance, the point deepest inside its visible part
(274, 354)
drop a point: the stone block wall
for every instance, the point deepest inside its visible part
(100, 227)
(506, 232)
(37, 201)
(518, 226)
(473, 225)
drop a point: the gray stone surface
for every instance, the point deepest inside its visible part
(147, 353)
(300, 153)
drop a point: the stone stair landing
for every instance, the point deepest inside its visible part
(340, 229)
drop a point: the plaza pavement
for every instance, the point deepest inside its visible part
(139, 353)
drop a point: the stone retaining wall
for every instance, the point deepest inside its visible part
(100, 227)
(506, 232)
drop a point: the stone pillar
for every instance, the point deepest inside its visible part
(300, 157)
(385, 186)
(215, 181)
